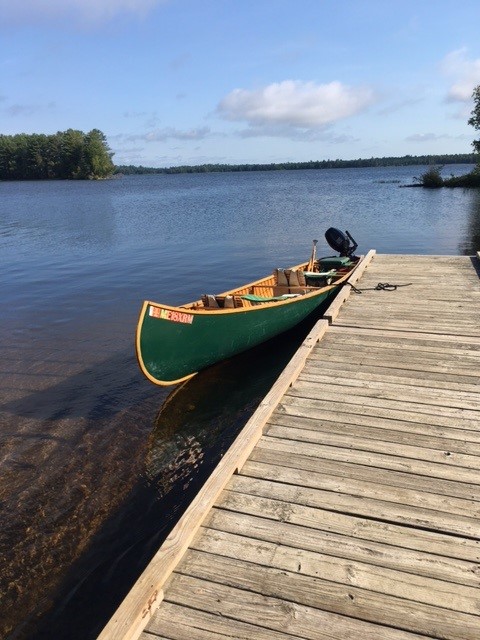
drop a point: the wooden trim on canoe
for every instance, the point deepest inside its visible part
(190, 308)
(139, 605)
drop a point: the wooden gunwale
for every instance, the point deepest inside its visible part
(191, 307)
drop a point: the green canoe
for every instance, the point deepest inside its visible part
(174, 343)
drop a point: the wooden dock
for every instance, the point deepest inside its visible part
(355, 509)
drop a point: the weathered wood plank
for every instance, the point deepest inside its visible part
(458, 330)
(456, 325)
(363, 507)
(362, 575)
(385, 345)
(410, 335)
(416, 466)
(296, 589)
(367, 473)
(390, 391)
(353, 526)
(401, 496)
(409, 364)
(177, 622)
(388, 369)
(276, 613)
(344, 441)
(334, 544)
(332, 372)
(378, 406)
(389, 432)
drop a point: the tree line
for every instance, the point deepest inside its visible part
(71, 155)
(457, 158)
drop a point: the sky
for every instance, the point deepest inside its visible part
(174, 82)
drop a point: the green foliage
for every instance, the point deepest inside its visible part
(474, 121)
(67, 154)
(459, 158)
(469, 181)
(431, 178)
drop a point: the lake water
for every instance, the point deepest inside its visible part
(95, 466)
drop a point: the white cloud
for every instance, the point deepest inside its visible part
(84, 11)
(297, 104)
(464, 72)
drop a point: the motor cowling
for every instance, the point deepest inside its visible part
(340, 242)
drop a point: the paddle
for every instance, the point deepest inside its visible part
(313, 257)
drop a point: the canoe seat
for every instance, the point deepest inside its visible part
(209, 301)
(296, 278)
(281, 277)
(290, 278)
(218, 302)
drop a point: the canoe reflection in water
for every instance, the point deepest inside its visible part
(200, 418)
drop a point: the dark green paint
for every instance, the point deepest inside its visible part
(170, 351)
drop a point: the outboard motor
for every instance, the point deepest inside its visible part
(341, 242)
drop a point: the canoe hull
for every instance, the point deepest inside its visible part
(175, 343)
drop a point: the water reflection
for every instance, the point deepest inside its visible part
(199, 420)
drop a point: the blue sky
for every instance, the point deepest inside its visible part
(235, 81)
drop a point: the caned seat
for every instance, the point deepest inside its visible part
(297, 278)
(281, 277)
(210, 301)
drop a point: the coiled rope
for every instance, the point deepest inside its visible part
(381, 286)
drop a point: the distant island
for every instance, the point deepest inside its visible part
(394, 161)
(65, 155)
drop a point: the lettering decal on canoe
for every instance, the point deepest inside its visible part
(172, 316)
